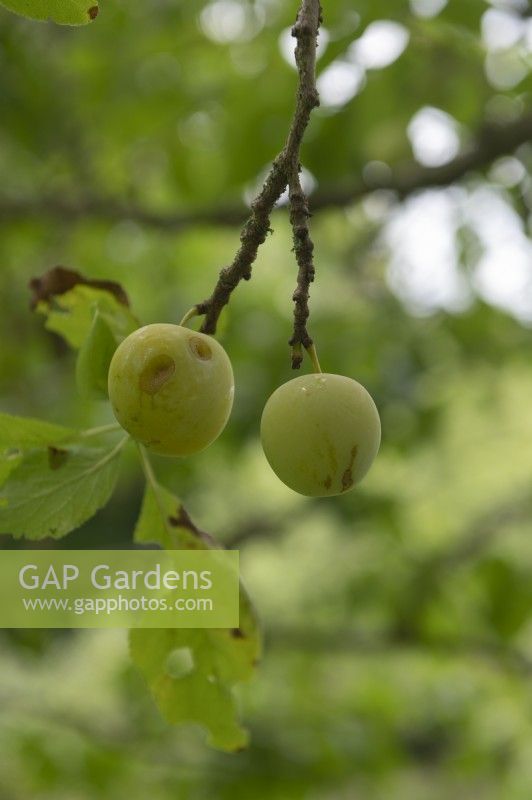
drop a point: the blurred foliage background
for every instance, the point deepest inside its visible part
(398, 628)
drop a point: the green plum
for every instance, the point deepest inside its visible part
(320, 433)
(171, 388)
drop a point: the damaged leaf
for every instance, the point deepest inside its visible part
(219, 658)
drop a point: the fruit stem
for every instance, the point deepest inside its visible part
(152, 481)
(147, 467)
(311, 350)
(192, 312)
(101, 429)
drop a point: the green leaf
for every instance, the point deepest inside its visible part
(56, 490)
(93, 360)
(64, 12)
(8, 463)
(219, 658)
(24, 432)
(164, 521)
(71, 314)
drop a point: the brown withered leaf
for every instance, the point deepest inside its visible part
(59, 280)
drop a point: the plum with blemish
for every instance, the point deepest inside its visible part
(320, 433)
(171, 388)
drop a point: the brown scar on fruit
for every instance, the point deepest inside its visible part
(347, 477)
(57, 457)
(200, 348)
(238, 633)
(332, 456)
(155, 374)
(327, 482)
(93, 12)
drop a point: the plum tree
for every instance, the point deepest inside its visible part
(171, 388)
(320, 433)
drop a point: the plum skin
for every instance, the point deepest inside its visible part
(320, 433)
(171, 388)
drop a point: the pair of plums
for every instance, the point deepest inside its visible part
(172, 390)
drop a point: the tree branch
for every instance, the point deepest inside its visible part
(303, 249)
(352, 641)
(482, 532)
(489, 144)
(64, 208)
(257, 225)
